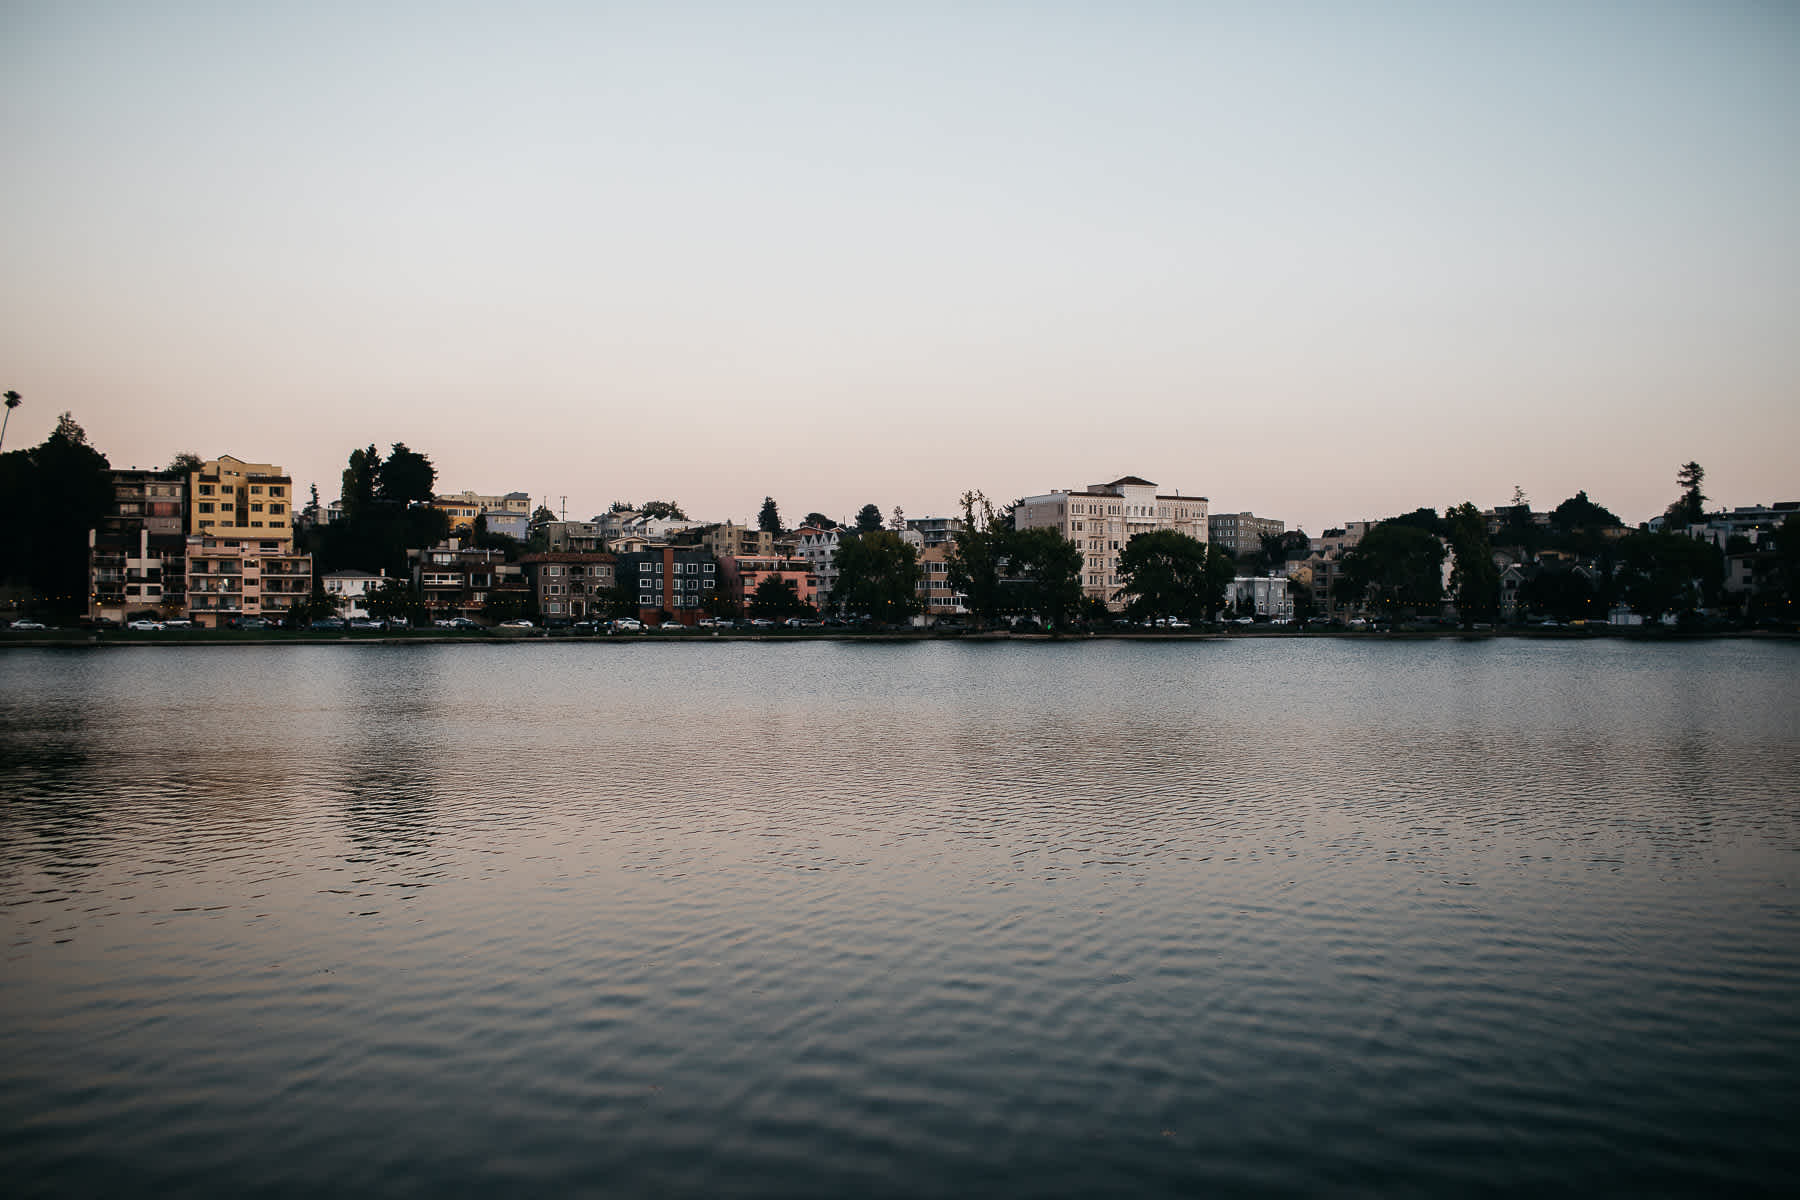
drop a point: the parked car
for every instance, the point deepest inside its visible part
(28, 625)
(671, 626)
(177, 623)
(583, 628)
(249, 623)
(367, 623)
(328, 623)
(517, 623)
(143, 626)
(627, 625)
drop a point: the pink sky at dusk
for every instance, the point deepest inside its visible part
(1321, 262)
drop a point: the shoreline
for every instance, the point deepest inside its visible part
(121, 639)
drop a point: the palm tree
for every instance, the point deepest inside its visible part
(13, 400)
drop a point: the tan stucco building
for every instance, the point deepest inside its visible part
(1102, 517)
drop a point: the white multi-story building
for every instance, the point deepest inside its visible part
(819, 548)
(1102, 517)
(1268, 595)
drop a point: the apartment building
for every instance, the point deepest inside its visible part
(672, 582)
(1102, 517)
(230, 499)
(819, 548)
(240, 543)
(936, 597)
(740, 576)
(137, 554)
(1263, 595)
(1242, 533)
(229, 578)
(572, 584)
(456, 581)
(727, 540)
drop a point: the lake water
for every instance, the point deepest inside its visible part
(842, 919)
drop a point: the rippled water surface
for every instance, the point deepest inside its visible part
(836, 919)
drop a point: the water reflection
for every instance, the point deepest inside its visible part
(818, 919)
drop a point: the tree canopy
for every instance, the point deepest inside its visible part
(1047, 568)
(1578, 513)
(1166, 573)
(54, 493)
(1690, 508)
(776, 597)
(1396, 565)
(878, 575)
(769, 519)
(1474, 579)
(407, 477)
(819, 520)
(868, 519)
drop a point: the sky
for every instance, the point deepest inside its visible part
(1324, 262)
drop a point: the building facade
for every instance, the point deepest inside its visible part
(571, 584)
(1242, 533)
(230, 578)
(456, 581)
(230, 499)
(349, 591)
(672, 583)
(1102, 517)
(740, 576)
(463, 507)
(137, 555)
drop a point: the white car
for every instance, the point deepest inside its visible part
(627, 625)
(28, 625)
(517, 623)
(145, 626)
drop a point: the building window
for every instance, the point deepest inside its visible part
(206, 507)
(646, 601)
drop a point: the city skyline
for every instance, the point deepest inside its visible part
(1320, 265)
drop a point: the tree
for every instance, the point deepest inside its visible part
(1578, 513)
(1668, 572)
(868, 519)
(541, 515)
(1048, 566)
(1169, 574)
(13, 400)
(310, 514)
(897, 522)
(54, 493)
(878, 574)
(361, 478)
(663, 510)
(769, 519)
(819, 520)
(775, 598)
(1396, 565)
(1474, 579)
(184, 462)
(1564, 593)
(1690, 509)
(407, 477)
(397, 598)
(976, 552)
